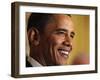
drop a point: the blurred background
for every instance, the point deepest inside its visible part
(80, 53)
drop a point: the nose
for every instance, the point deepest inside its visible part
(67, 42)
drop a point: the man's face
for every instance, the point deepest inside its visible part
(56, 42)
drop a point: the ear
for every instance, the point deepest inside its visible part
(33, 36)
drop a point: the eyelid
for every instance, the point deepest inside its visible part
(59, 32)
(63, 31)
(72, 34)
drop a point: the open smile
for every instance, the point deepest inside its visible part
(64, 51)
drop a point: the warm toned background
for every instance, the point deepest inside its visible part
(81, 41)
(80, 53)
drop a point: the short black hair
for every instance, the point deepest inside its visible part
(39, 20)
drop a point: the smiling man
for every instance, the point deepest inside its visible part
(50, 39)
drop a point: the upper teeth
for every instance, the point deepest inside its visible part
(64, 52)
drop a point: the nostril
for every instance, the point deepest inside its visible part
(67, 43)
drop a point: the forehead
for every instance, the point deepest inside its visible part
(59, 21)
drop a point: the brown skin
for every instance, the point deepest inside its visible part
(54, 45)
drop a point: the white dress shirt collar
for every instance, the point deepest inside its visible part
(33, 62)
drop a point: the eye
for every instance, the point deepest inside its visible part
(72, 35)
(60, 33)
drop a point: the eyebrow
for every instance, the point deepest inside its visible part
(73, 33)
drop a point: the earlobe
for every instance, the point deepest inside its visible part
(33, 36)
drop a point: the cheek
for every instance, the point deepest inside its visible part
(56, 40)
